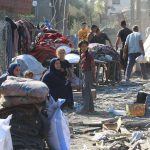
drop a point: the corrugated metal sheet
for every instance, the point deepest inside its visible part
(16, 6)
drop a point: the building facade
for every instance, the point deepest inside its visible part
(118, 6)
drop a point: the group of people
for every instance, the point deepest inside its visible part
(58, 77)
(132, 45)
(93, 35)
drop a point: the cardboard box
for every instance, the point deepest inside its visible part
(136, 110)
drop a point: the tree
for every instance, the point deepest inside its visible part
(138, 12)
(101, 9)
(132, 8)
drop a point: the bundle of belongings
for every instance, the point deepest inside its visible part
(108, 54)
(17, 37)
(47, 43)
(24, 99)
(29, 63)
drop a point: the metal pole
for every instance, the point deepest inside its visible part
(132, 8)
(37, 12)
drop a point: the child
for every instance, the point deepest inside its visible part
(88, 71)
(66, 73)
(28, 74)
(65, 65)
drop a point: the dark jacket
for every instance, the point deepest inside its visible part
(55, 81)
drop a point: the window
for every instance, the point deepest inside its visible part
(115, 1)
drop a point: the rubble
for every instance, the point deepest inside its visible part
(132, 133)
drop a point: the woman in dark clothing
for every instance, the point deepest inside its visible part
(57, 84)
(13, 70)
(66, 72)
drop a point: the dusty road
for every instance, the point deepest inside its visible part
(107, 96)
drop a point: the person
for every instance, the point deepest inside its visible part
(13, 70)
(65, 65)
(83, 32)
(101, 38)
(47, 23)
(88, 71)
(66, 72)
(121, 37)
(58, 86)
(134, 48)
(92, 34)
(28, 74)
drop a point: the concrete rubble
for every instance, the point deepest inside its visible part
(132, 133)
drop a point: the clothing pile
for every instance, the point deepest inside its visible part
(26, 31)
(21, 98)
(17, 37)
(101, 51)
(47, 43)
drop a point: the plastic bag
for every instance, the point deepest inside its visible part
(28, 62)
(141, 59)
(5, 136)
(116, 112)
(72, 58)
(59, 134)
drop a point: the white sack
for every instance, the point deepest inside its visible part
(72, 58)
(59, 134)
(5, 136)
(28, 62)
(141, 59)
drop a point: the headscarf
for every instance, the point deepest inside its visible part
(10, 72)
(11, 68)
(52, 68)
(52, 65)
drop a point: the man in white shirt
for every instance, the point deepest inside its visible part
(134, 45)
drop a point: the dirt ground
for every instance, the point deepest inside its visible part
(107, 96)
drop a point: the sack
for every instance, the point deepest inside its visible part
(28, 62)
(59, 134)
(5, 136)
(75, 81)
(7, 101)
(15, 86)
(141, 59)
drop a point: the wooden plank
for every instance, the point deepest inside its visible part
(137, 124)
(86, 130)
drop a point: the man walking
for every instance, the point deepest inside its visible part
(121, 37)
(134, 46)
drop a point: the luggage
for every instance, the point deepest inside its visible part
(24, 87)
(7, 101)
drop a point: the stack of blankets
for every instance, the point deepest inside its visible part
(100, 50)
(24, 99)
(47, 43)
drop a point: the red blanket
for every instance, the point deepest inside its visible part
(47, 44)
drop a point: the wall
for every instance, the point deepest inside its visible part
(16, 6)
(118, 8)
